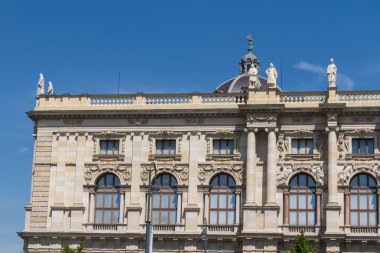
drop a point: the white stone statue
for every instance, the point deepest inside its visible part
(50, 88)
(41, 85)
(272, 76)
(331, 73)
(253, 72)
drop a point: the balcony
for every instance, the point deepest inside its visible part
(363, 230)
(105, 227)
(306, 229)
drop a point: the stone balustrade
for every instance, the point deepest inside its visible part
(359, 96)
(302, 97)
(363, 230)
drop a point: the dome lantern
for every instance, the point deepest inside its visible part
(249, 58)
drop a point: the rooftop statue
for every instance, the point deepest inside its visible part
(272, 75)
(50, 90)
(331, 73)
(41, 85)
(253, 72)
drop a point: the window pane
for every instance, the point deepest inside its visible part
(173, 216)
(302, 180)
(108, 200)
(370, 146)
(213, 217)
(294, 146)
(362, 180)
(222, 201)
(216, 147)
(293, 201)
(302, 201)
(354, 201)
(222, 217)
(223, 180)
(159, 147)
(302, 146)
(99, 200)
(293, 218)
(115, 217)
(311, 218)
(309, 146)
(231, 147)
(155, 217)
(116, 148)
(107, 216)
(231, 201)
(372, 219)
(363, 147)
(363, 219)
(231, 218)
(354, 218)
(103, 147)
(98, 216)
(165, 181)
(355, 145)
(213, 201)
(164, 200)
(109, 180)
(116, 200)
(302, 218)
(173, 200)
(363, 201)
(156, 200)
(223, 147)
(172, 147)
(372, 201)
(164, 217)
(166, 147)
(371, 181)
(311, 202)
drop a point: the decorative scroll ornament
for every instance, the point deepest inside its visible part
(286, 171)
(345, 173)
(179, 170)
(208, 170)
(94, 170)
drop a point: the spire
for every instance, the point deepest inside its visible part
(250, 43)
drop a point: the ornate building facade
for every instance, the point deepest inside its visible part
(242, 169)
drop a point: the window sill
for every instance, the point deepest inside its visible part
(176, 157)
(108, 157)
(214, 157)
(362, 157)
(301, 157)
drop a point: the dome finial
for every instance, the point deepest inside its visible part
(250, 43)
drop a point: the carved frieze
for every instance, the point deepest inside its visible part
(207, 170)
(179, 170)
(288, 170)
(261, 117)
(94, 170)
(347, 171)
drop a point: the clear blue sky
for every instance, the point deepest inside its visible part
(163, 46)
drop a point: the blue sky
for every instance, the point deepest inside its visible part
(164, 46)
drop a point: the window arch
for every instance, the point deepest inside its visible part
(222, 200)
(363, 201)
(107, 205)
(164, 206)
(302, 203)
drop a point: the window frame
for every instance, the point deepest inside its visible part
(107, 141)
(163, 141)
(359, 141)
(298, 141)
(114, 189)
(229, 150)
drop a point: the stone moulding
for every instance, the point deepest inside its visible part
(288, 170)
(209, 169)
(179, 170)
(347, 171)
(94, 170)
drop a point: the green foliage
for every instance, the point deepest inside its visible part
(301, 245)
(68, 249)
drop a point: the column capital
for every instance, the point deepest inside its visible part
(332, 128)
(271, 129)
(251, 129)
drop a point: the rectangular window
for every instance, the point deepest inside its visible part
(165, 147)
(223, 147)
(302, 146)
(362, 146)
(109, 147)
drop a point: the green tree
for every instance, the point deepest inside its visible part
(67, 249)
(302, 245)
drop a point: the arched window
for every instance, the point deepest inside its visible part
(302, 201)
(107, 204)
(222, 200)
(164, 209)
(363, 202)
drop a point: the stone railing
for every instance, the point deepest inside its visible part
(167, 99)
(107, 227)
(364, 230)
(164, 227)
(224, 98)
(303, 97)
(111, 100)
(222, 228)
(359, 96)
(298, 229)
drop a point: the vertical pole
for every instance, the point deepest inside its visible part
(149, 231)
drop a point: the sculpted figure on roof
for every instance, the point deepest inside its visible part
(272, 75)
(331, 73)
(41, 85)
(253, 72)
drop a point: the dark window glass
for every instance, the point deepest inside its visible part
(109, 147)
(165, 147)
(164, 201)
(222, 200)
(107, 200)
(362, 146)
(363, 201)
(302, 146)
(223, 147)
(302, 201)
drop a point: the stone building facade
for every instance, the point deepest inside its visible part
(237, 170)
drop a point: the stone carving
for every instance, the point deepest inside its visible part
(331, 73)
(346, 172)
(272, 75)
(252, 118)
(50, 90)
(41, 85)
(179, 170)
(194, 121)
(342, 147)
(208, 170)
(362, 131)
(253, 72)
(299, 132)
(363, 119)
(286, 171)
(94, 170)
(332, 116)
(282, 146)
(138, 122)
